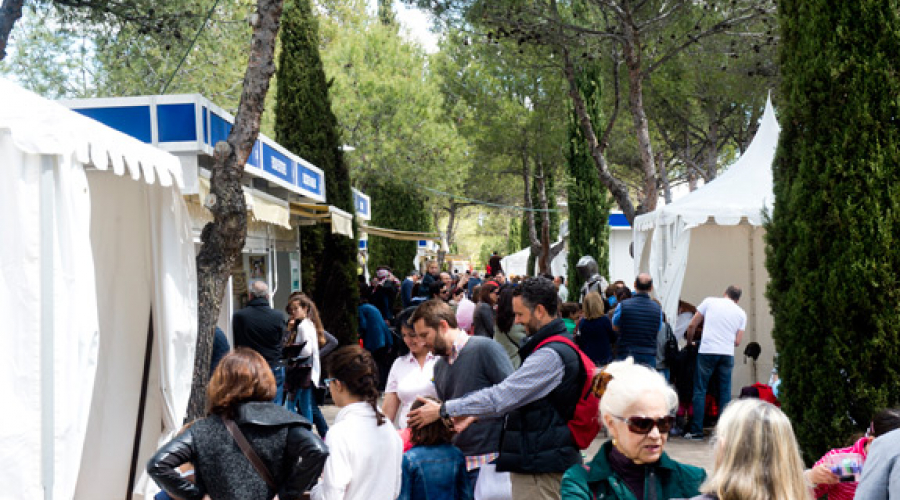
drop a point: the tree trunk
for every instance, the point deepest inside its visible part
(223, 239)
(10, 12)
(631, 48)
(543, 262)
(617, 188)
(711, 161)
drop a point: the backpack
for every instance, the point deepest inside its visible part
(585, 422)
(671, 349)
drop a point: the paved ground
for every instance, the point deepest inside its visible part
(697, 453)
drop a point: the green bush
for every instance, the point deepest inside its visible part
(833, 238)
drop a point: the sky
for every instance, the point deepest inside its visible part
(415, 24)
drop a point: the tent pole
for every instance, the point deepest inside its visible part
(139, 426)
(48, 424)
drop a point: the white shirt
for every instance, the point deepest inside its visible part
(307, 331)
(364, 461)
(408, 380)
(563, 293)
(722, 319)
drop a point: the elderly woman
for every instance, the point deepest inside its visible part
(757, 457)
(240, 393)
(637, 408)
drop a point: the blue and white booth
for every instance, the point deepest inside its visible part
(275, 180)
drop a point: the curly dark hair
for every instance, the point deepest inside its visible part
(356, 370)
(539, 291)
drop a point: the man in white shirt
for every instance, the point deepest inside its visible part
(723, 328)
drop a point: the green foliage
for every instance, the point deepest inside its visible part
(589, 202)
(513, 242)
(833, 236)
(305, 124)
(398, 207)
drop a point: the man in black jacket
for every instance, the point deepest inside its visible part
(538, 399)
(261, 328)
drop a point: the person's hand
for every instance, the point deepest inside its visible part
(821, 474)
(461, 423)
(424, 415)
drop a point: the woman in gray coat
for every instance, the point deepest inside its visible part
(240, 392)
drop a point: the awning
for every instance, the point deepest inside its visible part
(260, 206)
(341, 221)
(396, 234)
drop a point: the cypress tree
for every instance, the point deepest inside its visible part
(398, 207)
(833, 237)
(589, 202)
(305, 124)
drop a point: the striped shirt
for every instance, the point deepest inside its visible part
(840, 491)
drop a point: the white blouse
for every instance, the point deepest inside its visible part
(364, 461)
(306, 330)
(409, 380)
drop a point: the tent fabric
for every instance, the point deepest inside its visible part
(741, 195)
(39, 126)
(120, 249)
(517, 264)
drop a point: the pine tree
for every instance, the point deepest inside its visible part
(306, 125)
(833, 256)
(589, 202)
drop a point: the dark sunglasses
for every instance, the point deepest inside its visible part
(643, 425)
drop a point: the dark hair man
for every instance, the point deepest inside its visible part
(538, 449)
(467, 364)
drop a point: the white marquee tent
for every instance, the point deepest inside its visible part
(98, 296)
(699, 245)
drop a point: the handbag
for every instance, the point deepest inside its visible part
(297, 368)
(251, 455)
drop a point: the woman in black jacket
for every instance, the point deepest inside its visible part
(240, 392)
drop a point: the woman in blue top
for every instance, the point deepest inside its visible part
(434, 469)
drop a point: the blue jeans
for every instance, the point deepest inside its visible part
(319, 419)
(278, 371)
(708, 366)
(301, 402)
(639, 359)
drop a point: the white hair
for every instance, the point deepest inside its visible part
(630, 382)
(259, 289)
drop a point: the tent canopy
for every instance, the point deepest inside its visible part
(698, 245)
(97, 277)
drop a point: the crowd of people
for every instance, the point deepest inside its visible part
(467, 386)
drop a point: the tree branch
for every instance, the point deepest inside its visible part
(10, 12)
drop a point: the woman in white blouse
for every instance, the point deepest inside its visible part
(365, 452)
(305, 326)
(410, 376)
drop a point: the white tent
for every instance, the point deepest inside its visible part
(517, 264)
(697, 246)
(98, 296)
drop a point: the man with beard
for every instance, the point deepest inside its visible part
(537, 400)
(466, 364)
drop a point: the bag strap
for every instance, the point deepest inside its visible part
(251, 455)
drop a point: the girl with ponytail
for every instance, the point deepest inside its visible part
(366, 452)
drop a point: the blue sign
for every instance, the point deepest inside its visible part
(219, 128)
(277, 164)
(131, 120)
(177, 122)
(309, 180)
(361, 204)
(618, 220)
(423, 243)
(363, 244)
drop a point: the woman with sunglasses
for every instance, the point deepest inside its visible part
(637, 407)
(757, 457)
(411, 375)
(365, 451)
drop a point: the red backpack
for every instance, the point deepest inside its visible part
(585, 422)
